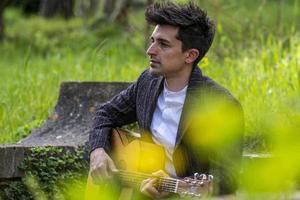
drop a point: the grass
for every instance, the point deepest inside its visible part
(255, 55)
(34, 63)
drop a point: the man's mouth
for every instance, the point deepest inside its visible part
(152, 61)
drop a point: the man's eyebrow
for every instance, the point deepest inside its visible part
(161, 40)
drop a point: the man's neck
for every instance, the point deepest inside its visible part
(178, 82)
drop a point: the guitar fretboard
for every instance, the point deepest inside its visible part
(135, 178)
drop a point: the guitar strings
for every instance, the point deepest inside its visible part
(161, 187)
(167, 189)
(166, 180)
(144, 175)
(163, 180)
(165, 183)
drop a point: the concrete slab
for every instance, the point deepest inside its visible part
(71, 120)
(68, 126)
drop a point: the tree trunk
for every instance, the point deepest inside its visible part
(31, 7)
(109, 7)
(67, 7)
(148, 28)
(2, 7)
(87, 8)
(116, 10)
(50, 8)
(120, 13)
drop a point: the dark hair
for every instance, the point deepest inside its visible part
(196, 30)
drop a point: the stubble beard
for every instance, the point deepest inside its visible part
(155, 70)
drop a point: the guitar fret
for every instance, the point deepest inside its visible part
(167, 185)
(176, 187)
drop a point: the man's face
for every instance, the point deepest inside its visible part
(165, 52)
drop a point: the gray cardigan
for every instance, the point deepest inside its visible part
(138, 102)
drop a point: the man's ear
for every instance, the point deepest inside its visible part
(192, 55)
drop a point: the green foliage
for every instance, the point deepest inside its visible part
(25, 130)
(50, 173)
(15, 190)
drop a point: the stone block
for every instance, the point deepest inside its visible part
(68, 126)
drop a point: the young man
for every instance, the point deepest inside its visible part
(163, 98)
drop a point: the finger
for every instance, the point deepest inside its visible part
(111, 165)
(96, 178)
(144, 182)
(148, 188)
(91, 175)
(152, 192)
(160, 173)
(151, 189)
(103, 172)
(152, 181)
(162, 195)
(99, 173)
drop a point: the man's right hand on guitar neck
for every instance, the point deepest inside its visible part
(101, 165)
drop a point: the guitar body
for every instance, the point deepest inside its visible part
(136, 160)
(132, 154)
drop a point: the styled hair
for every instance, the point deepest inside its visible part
(196, 30)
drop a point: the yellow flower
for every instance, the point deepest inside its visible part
(204, 62)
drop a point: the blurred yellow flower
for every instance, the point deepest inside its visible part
(204, 62)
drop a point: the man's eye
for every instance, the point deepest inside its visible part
(164, 44)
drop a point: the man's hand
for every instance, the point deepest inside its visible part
(148, 188)
(101, 165)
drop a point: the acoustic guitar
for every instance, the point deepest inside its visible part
(137, 158)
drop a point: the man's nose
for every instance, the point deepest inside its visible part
(152, 50)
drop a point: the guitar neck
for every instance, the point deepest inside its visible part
(135, 178)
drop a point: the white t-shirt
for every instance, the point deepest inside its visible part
(165, 122)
